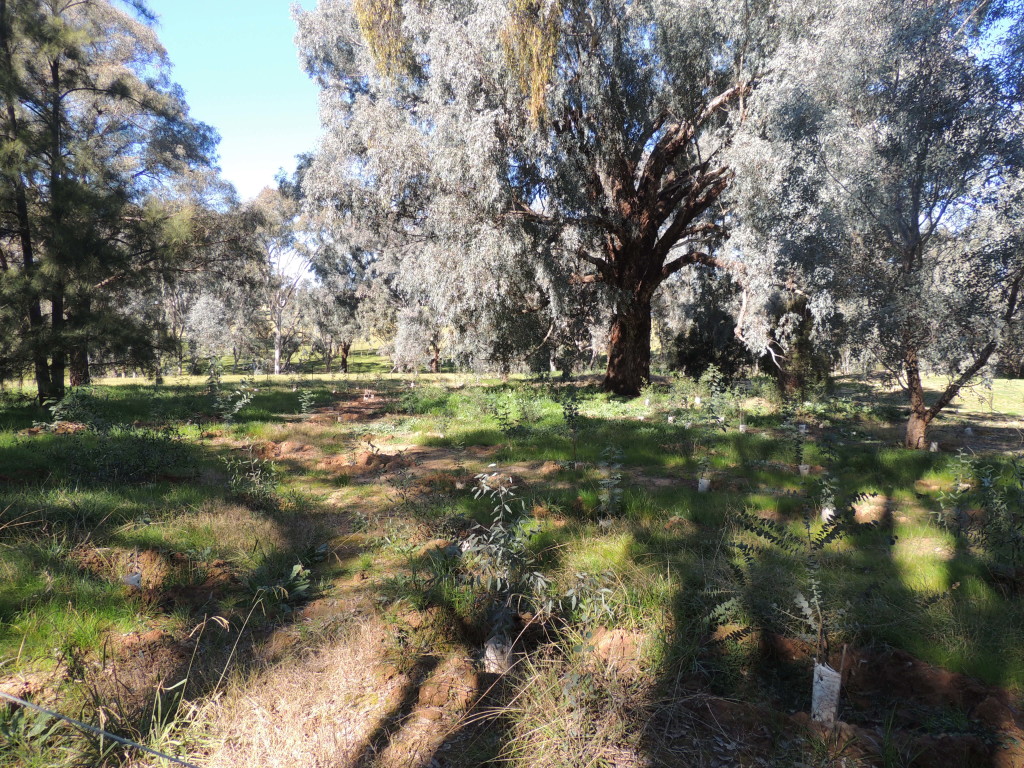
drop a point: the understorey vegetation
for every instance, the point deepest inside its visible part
(532, 566)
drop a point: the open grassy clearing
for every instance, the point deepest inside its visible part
(305, 573)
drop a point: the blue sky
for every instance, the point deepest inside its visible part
(237, 62)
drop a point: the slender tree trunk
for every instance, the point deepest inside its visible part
(920, 414)
(33, 304)
(277, 354)
(58, 201)
(44, 386)
(78, 357)
(917, 431)
(79, 364)
(343, 351)
(58, 355)
(629, 348)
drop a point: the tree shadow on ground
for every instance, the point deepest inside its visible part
(756, 668)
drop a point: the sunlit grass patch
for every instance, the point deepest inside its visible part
(48, 602)
(656, 563)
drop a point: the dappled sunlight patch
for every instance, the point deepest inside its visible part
(216, 530)
(876, 508)
(922, 565)
(597, 554)
(363, 657)
(323, 709)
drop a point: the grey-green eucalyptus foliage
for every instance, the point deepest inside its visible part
(879, 171)
(208, 327)
(523, 165)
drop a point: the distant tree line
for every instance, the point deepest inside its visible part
(533, 185)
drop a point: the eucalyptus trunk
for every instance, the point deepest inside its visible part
(343, 351)
(921, 414)
(917, 431)
(629, 347)
(435, 358)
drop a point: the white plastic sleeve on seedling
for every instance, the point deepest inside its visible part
(825, 694)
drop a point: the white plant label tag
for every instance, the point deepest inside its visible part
(825, 694)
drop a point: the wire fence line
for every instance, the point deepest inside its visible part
(94, 729)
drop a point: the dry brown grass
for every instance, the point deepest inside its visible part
(321, 709)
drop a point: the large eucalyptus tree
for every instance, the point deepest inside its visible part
(883, 167)
(507, 152)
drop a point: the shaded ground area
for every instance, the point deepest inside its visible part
(331, 621)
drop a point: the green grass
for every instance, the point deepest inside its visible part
(667, 557)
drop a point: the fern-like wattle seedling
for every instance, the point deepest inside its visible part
(809, 613)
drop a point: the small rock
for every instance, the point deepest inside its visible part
(680, 524)
(22, 686)
(549, 468)
(619, 648)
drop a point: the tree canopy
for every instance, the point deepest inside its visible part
(881, 171)
(531, 148)
(103, 182)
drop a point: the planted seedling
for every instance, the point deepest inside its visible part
(704, 469)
